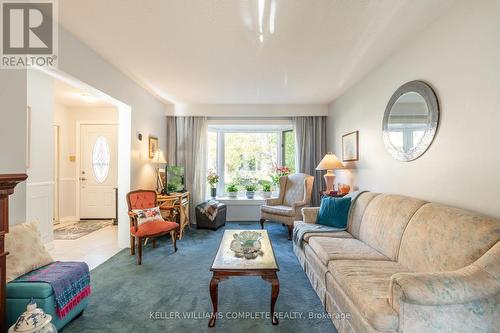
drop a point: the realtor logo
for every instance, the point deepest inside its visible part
(29, 33)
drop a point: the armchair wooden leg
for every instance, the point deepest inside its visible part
(154, 243)
(139, 250)
(132, 245)
(175, 239)
(290, 231)
(262, 223)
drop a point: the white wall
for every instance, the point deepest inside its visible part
(40, 182)
(459, 55)
(67, 118)
(148, 113)
(247, 110)
(80, 62)
(13, 136)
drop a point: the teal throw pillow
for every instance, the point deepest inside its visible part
(334, 212)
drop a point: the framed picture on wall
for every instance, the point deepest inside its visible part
(153, 146)
(350, 147)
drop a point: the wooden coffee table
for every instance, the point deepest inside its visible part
(226, 264)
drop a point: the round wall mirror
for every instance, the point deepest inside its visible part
(410, 121)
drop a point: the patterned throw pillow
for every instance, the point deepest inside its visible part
(26, 250)
(148, 215)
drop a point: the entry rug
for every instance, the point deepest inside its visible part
(69, 280)
(80, 229)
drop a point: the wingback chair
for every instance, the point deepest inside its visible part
(143, 199)
(295, 193)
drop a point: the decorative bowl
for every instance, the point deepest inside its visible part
(246, 244)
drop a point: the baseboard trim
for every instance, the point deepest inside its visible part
(69, 219)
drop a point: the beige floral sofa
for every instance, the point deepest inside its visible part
(406, 265)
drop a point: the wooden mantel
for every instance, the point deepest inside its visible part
(7, 184)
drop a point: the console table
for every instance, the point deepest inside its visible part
(7, 184)
(182, 202)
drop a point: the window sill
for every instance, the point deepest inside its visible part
(241, 201)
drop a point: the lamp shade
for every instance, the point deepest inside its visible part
(158, 158)
(330, 162)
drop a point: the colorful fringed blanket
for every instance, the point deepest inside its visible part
(69, 280)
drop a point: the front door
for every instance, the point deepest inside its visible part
(98, 171)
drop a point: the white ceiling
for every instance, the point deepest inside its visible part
(208, 51)
(69, 96)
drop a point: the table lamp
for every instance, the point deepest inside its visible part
(329, 163)
(158, 159)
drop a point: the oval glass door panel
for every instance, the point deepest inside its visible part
(100, 159)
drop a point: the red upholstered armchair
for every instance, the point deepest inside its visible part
(144, 199)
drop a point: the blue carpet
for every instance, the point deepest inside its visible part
(176, 285)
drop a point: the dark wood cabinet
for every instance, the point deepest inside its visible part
(7, 184)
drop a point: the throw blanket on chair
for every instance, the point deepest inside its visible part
(69, 280)
(299, 232)
(210, 209)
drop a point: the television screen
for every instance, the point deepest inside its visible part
(175, 179)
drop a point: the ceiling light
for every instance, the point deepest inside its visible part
(262, 5)
(88, 98)
(272, 17)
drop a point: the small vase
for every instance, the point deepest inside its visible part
(250, 194)
(266, 195)
(233, 194)
(213, 192)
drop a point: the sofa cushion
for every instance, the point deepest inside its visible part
(366, 283)
(358, 208)
(337, 234)
(28, 290)
(307, 236)
(26, 250)
(278, 210)
(327, 248)
(385, 220)
(441, 238)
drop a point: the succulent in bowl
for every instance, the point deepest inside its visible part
(246, 243)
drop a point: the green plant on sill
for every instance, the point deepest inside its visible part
(266, 187)
(251, 188)
(232, 188)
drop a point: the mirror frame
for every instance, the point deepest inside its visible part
(428, 94)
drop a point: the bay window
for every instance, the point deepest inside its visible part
(249, 154)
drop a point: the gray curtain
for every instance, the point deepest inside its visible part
(310, 136)
(187, 147)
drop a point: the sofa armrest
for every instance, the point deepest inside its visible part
(444, 288)
(273, 201)
(310, 214)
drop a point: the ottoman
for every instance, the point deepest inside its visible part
(204, 222)
(19, 295)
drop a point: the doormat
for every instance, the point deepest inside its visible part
(80, 229)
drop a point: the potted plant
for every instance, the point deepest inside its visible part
(279, 172)
(250, 188)
(212, 180)
(266, 190)
(232, 190)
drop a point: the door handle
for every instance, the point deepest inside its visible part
(83, 178)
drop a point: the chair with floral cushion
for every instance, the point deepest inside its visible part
(146, 221)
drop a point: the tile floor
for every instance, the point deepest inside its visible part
(94, 248)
